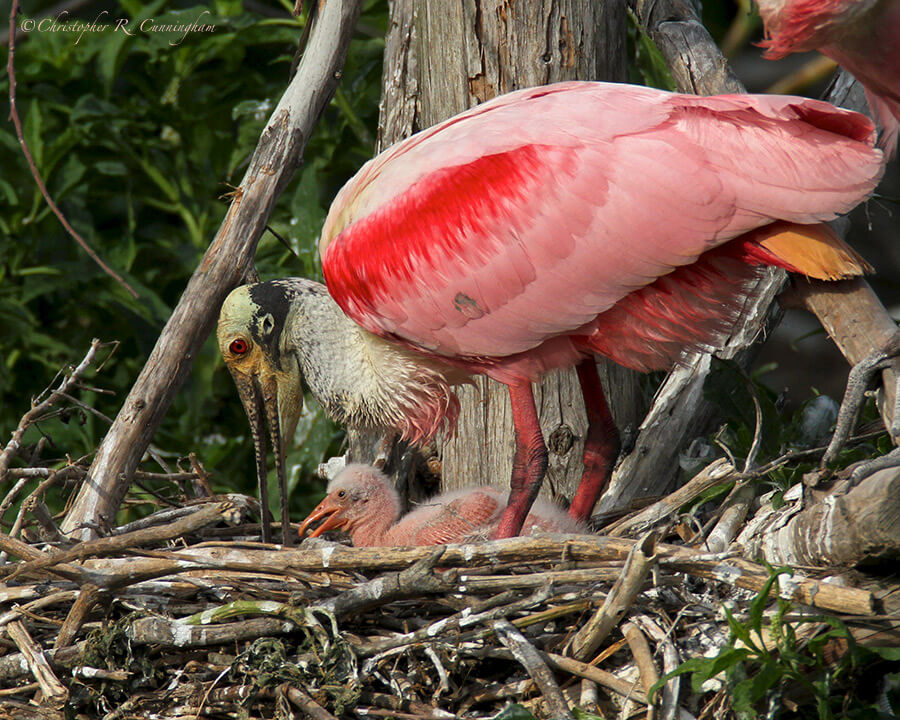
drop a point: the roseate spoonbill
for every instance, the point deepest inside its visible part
(537, 230)
(861, 35)
(362, 501)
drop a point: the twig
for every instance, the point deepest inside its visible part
(54, 691)
(643, 658)
(37, 408)
(537, 669)
(310, 707)
(14, 116)
(622, 595)
(669, 706)
(87, 597)
(102, 546)
(716, 473)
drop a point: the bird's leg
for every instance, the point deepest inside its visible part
(529, 461)
(601, 446)
(858, 381)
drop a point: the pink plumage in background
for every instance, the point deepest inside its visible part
(863, 36)
(362, 501)
(540, 229)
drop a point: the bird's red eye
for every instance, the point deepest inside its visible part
(239, 346)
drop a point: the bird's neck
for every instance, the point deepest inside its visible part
(375, 527)
(364, 381)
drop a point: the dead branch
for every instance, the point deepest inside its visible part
(844, 527)
(274, 161)
(40, 406)
(718, 472)
(55, 693)
(622, 595)
(537, 669)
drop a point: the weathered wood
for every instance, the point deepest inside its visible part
(844, 528)
(640, 561)
(325, 556)
(469, 52)
(857, 321)
(55, 693)
(717, 472)
(277, 156)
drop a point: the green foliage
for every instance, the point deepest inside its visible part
(765, 661)
(136, 138)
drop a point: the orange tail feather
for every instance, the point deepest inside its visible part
(811, 250)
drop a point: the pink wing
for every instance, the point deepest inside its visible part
(525, 218)
(448, 518)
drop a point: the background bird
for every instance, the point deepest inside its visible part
(863, 36)
(362, 501)
(537, 230)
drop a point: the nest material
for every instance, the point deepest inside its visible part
(216, 626)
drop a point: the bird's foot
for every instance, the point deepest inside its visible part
(859, 380)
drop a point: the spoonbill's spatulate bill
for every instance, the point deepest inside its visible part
(863, 36)
(362, 501)
(536, 231)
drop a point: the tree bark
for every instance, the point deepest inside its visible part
(441, 59)
(277, 156)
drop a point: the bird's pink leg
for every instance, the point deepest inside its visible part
(529, 462)
(601, 446)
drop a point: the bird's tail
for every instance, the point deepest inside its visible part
(811, 250)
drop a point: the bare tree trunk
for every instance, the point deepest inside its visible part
(443, 58)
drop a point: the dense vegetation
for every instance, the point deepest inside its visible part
(137, 140)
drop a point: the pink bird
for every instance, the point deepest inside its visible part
(361, 500)
(538, 230)
(861, 35)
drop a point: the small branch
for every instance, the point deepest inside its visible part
(718, 472)
(38, 408)
(643, 657)
(103, 546)
(309, 707)
(14, 116)
(55, 693)
(537, 669)
(640, 561)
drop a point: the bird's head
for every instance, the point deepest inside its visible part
(267, 374)
(359, 498)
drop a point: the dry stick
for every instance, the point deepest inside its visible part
(87, 597)
(481, 613)
(63, 596)
(640, 561)
(37, 409)
(55, 693)
(716, 473)
(104, 546)
(14, 116)
(537, 669)
(310, 708)
(39, 512)
(527, 551)
(643, 658)
(734, 513)
(11, 546)
(671, 660)
(274, 161)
